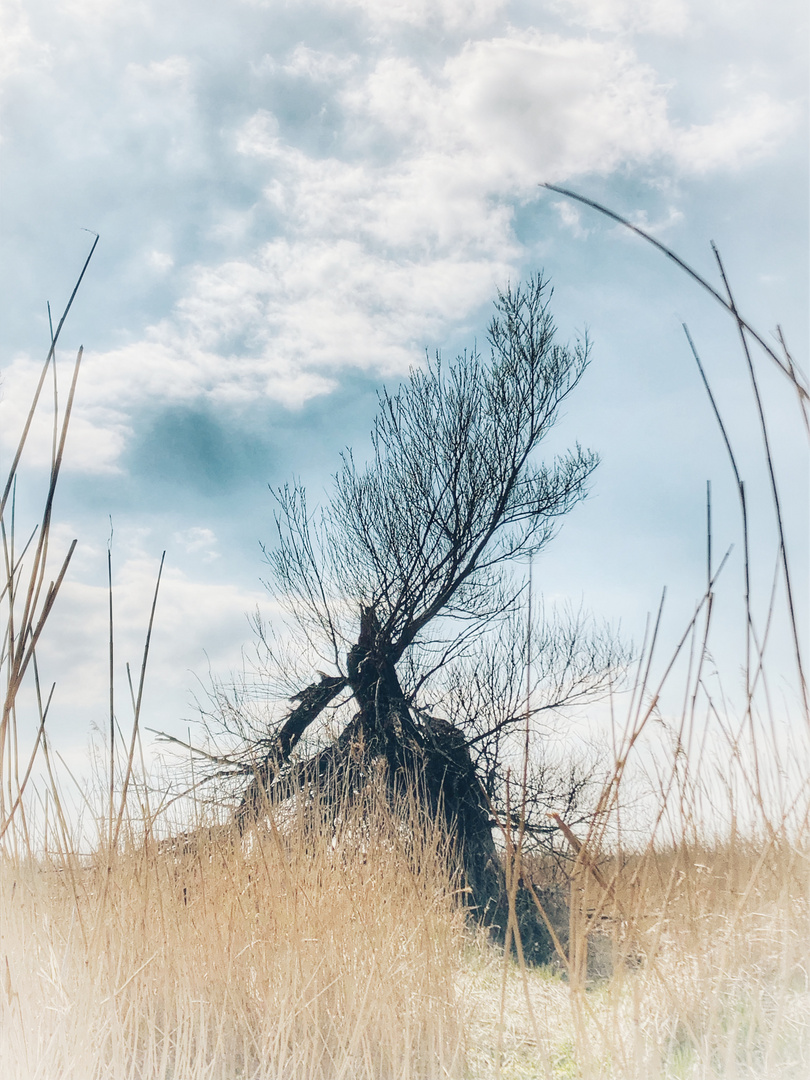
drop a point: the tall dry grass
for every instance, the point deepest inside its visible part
(697, 968)
(301, 951)
(310, 952)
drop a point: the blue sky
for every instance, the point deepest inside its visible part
(296, 200)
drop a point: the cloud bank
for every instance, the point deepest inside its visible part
(333, 209)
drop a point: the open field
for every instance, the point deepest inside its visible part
(308, 954)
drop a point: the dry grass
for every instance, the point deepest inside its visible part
(308, 953)
(292, 955)
(706, 975)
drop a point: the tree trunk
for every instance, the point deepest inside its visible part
(426, 757)
(429, 758)
(455, 793)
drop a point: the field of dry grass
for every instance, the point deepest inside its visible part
(308, 953)
(295, 958)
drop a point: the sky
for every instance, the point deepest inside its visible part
(297, 200)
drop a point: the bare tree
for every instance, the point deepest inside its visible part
(406, 567)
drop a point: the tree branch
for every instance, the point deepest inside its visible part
(312, 701)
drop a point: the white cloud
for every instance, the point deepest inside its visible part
(162, 74)
(654, 228)
(303, 310)
(19, 48)
(752, 130)
(379, 251)
(571, 217)
(639, 16)
(198, 540)
(454, 14)
(158, 111)
(382, 256)
(516, 110)
(99, 427)
(196, 622)
(160, 261)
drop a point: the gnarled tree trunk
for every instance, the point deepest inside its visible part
(424, 756)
